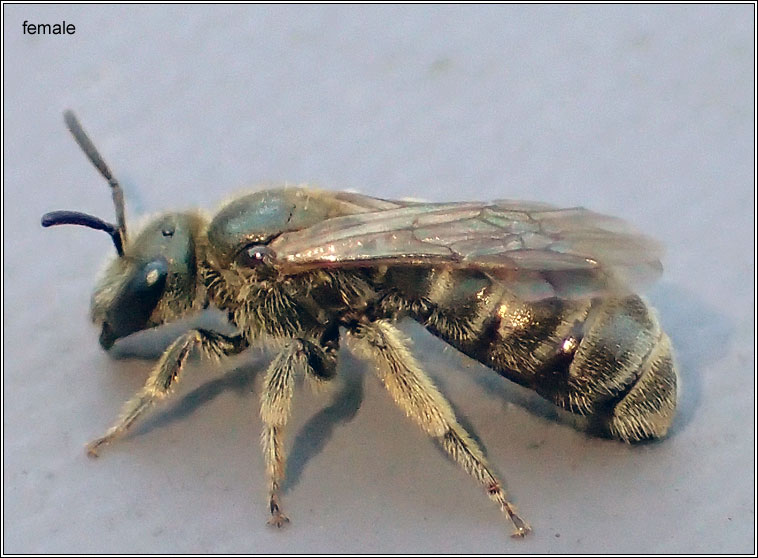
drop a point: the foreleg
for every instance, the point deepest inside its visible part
(415, 393)
(164, 377)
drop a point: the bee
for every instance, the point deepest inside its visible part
(541, 295)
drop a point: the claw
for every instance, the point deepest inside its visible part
(521, 527)
(92, 447)
(521, 532)
(278, 520)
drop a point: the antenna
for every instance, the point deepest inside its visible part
(85, 220)
(94, 156)
(117, 231)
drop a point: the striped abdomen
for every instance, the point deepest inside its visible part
(606, 358)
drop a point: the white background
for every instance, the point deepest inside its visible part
(645, 112)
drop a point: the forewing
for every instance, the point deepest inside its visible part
(540, 250)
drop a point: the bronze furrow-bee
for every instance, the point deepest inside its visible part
(541, 295)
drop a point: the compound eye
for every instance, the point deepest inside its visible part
(255, 255)
(131, 309)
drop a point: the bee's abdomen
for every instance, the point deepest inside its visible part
(606, 358)
(622, 373)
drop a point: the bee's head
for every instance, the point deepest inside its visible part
(153, 278)
(152, 282)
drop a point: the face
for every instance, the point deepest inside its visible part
(152, 283)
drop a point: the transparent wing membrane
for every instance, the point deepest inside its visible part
(542, 251)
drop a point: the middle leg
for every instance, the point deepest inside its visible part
(298, 356)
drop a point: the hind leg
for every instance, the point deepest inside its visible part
(414, 392)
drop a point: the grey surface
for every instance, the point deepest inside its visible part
(645, 112)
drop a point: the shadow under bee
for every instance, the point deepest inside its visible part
(316, 433)
(700, 335)
(240, 380)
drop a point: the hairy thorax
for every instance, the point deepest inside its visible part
(261, 303)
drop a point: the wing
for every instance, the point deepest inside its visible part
(540, 250)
